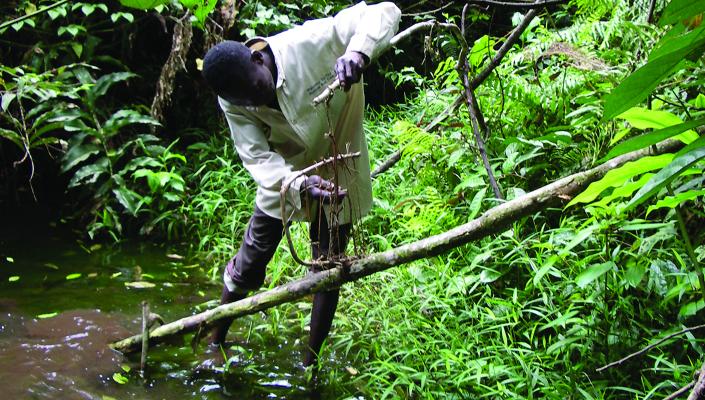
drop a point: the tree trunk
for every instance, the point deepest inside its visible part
(493, 221)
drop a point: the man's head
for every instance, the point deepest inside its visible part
(239, 75)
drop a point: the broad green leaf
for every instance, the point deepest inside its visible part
(640, 142)
(691, 308)
(105, 82)
(172, 197)
(545, 268)
(7, 98)
(619, 135)
(90, 173)
(672, 42)
(679, 10)
(617, 177)
(699, 101)
(562, 320)
(483, 48)
(476, 203)
(77, 48)
(12, 136)
(593, 272)
(141, 162)
(643, 118)
(641, 226)
(143, 4)
(54, 126)
(140, 285)
(626, 190)
(120, 378)
(637, 86)
(580, 237)
(127, 198)
(674, 201)
(201, 9)
(152, 180)
(635, 273)
(78, 153)
(123, 118)
(700, 142)
(489, 275)
(665, 176)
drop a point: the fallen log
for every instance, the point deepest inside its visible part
(494, 220)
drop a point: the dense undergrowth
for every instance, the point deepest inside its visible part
(529, 313)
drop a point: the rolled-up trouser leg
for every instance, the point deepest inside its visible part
(246, 271)
(324, 303)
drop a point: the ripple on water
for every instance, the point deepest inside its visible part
(63, 357)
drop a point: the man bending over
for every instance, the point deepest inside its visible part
(266, 87)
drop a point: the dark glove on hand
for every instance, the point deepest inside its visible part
(321, 189)
(349, 68)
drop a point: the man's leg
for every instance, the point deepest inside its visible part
(324, 303)
(246, 271)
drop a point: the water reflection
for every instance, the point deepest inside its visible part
(66, 356)
(61, 357)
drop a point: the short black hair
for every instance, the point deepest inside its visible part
(226, 66)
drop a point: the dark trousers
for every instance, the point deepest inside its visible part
(247, 270)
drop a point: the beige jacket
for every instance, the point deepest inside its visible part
(273, 145)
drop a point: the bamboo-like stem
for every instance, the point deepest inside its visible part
(145, 338)
(649, 347)
(492, 221)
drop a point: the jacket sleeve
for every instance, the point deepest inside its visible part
(367, 29)
(268, 168)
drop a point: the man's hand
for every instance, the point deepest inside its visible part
(321, 189)
(349, 68)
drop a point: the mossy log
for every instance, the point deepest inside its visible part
(493, 221)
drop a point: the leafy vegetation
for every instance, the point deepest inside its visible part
(530, 313)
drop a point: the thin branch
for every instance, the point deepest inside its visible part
(476, 118)
(418, 14)
(680, 392)
(388, 163)
(649, 347)
(396, 156)
(474, 83)
(491, 222)
(30, 15)
(521, 4)
(698, 392)
(508, 44)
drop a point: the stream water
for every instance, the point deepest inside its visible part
(62, 302)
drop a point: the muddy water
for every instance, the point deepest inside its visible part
(55, 326)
